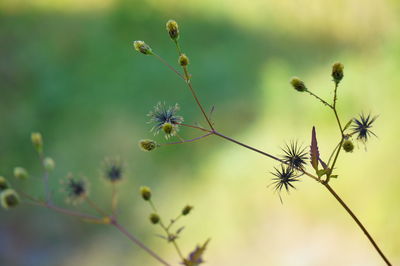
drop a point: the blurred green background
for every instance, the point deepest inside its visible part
(68, 70)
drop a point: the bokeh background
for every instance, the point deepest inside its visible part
(68, 70)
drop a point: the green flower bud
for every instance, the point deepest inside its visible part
(142, 47)
(337, 72)
(3, 184)
(348, 145)
(183, 60)
(20, 173)
(145, 192)
(186, 210)
(173, 29)
(49, 164)
(154, 218)
(298, 84)
(37, 141)
(9, 198)
(167, 128)
(147, 144)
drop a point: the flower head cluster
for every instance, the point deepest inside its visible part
(362, 126)
(165, 119)
(76, 189)
(113, 169)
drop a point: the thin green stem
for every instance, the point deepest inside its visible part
(319, 98)
(169, 66)
(95, 207)
(187, 141)
(196, 127)
(358, 222)
(189, 83)
(138, 242)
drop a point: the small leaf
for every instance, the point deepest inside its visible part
(322, 172)
(314, 153)
(348, 124)
(334, 176)
(323, 163)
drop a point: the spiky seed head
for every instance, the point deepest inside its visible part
(183, 60)
(186, 210)
(20, 173)
(3, 184)
(145, 192)
(348, 145)
(337, 72)
(37, 141)
(298, 84)
(173, 29)
(154, 218)
(49, 164)
(147, 144)
(142, 47)
(362, 127)
(9, 198)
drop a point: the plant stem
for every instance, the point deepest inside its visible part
(169, 66)
(138, 242)
(189, 83)
(187, 141)
(330, 189)
(323, 101)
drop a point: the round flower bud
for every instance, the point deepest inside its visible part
(9, 198)
(186, 210)
(49, 164)
(167, 128)
(154, 218)
(145, 192)
(183, 60)
(142, 47)
(348, 146)
(3, 184)
(37, 141)
(20, 173)
(147, 144)
(173, 29)
(337, 72)
(298, 84)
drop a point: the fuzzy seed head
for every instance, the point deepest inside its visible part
(348, 146)
(3, 184)
(298, 84)
(145, 192)
(20, 173)
(142, 47)
(9, 198)
(337, 72)
(147, 144)
(49, 164)
(154, 218)
(76, 189)
(186, 210)
(173, 29)
(37, 141)
(183, 60)
(113, 169)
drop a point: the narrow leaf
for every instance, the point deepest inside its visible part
(314, 153)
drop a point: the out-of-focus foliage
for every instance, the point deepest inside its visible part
(68, 70)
